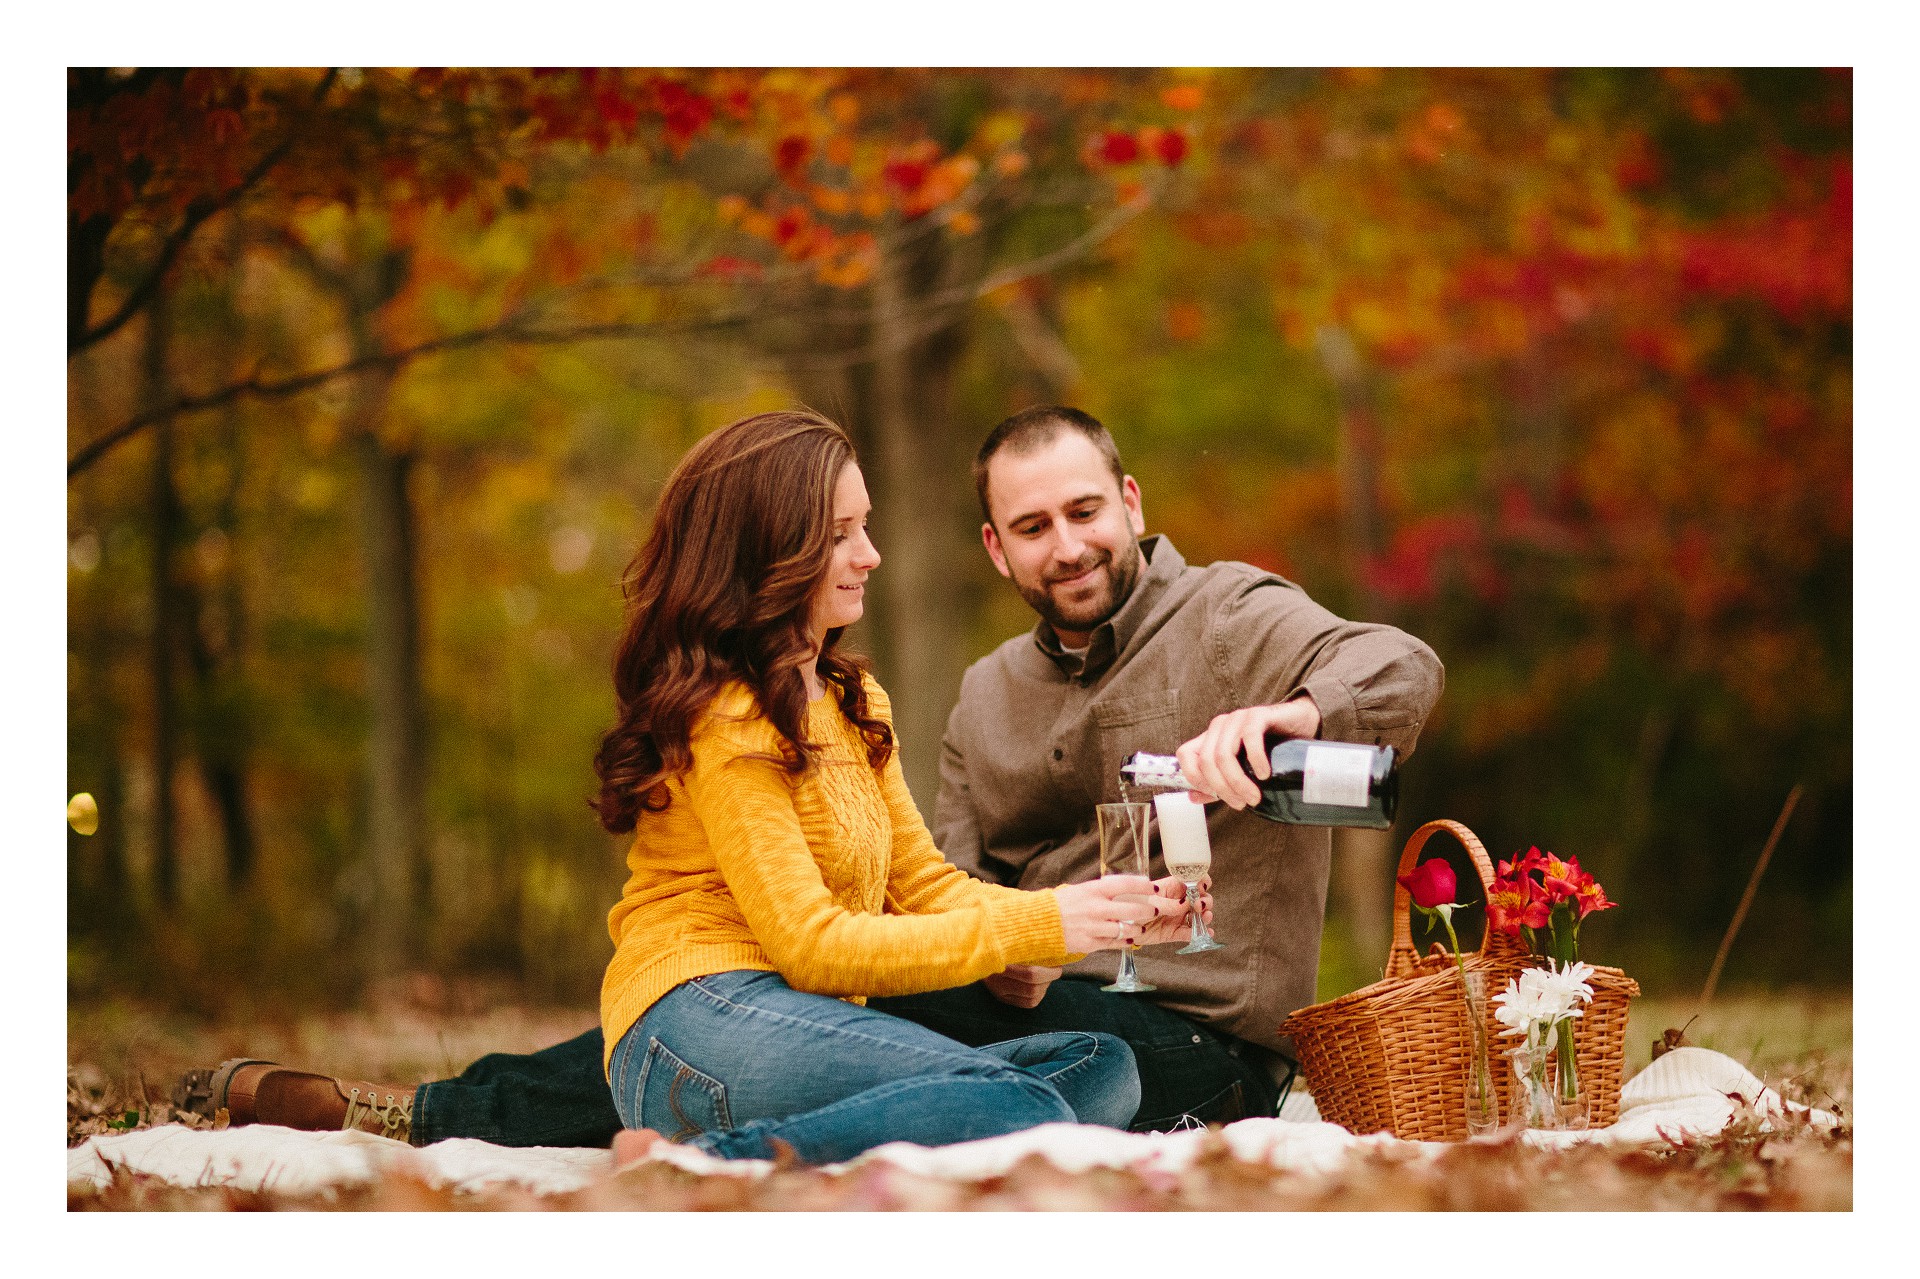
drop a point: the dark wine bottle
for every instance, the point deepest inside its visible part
(1313, 783)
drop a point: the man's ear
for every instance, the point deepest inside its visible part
(1130, 499)
(991, 540)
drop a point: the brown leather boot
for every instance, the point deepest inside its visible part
(264, 1092)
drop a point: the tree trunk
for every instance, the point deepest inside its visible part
(164, 510)
(214, 647)
(912, 476)
(1364, 858)
(396, 749)
(393, 882)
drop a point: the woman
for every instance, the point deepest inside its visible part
(780, 871)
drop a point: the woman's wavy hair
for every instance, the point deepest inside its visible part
(723, 589)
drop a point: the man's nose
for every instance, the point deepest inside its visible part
(1068, 545)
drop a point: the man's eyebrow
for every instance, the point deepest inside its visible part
(1095, 496)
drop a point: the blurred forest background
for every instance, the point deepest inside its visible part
(374, 376)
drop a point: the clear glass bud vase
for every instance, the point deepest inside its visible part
(1569, 1100)
(1482, 1104)
(1533, 1098)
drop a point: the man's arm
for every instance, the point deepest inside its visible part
(956, 831)
(1288, 665)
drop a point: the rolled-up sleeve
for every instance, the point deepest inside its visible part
(1372, 683)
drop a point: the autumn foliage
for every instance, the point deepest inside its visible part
(1550, 367)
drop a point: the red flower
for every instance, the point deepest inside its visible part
(1562, 879)
(1533, 860)
(1431, 883)
(1507, 903)
(1539, 911)
(1592, 897)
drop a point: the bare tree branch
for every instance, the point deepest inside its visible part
(256, 388)
(198, 211)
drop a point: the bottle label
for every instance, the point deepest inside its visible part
(1337, 775)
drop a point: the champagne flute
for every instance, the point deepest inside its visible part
(1123, 851)
(1189, 854)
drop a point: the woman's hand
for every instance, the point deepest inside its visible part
(1115, 910)
(1172, 925)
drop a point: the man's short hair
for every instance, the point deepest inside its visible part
(1034, 428)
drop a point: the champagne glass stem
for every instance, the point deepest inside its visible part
(1202, 936)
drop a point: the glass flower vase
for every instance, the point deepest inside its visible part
(1533, 1097)
(1569, 1100)
(1482, 1104)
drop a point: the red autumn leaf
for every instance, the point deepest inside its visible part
(788, 225)
(1171, 147)
(1118, 147)
(907, 175)
(789, 153)
(616, 108)
(728, 267)
(683, 112)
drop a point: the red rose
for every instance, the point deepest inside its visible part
(1431, 883)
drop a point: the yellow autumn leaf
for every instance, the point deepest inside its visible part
(83, 814)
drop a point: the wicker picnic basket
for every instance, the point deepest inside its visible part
(1392, 1057)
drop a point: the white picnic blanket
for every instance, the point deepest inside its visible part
(1687, 1092)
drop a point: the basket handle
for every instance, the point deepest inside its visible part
(1402, 958)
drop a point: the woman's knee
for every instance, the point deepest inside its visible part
(1111, 1096)
(1001, 1100)
(1094, 1072)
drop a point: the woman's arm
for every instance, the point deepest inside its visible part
(746, 809)
(921, 881)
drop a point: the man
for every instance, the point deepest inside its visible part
(1134, 650)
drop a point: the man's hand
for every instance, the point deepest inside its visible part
(1210, 761)
(1021, 985)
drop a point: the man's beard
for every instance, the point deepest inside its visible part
(1122, 575)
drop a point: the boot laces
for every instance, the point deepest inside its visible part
(395, 1116)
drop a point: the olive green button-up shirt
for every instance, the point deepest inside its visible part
(1038, 736)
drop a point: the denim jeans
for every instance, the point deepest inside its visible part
(559, 1096)
(739, 1063)
(1187, 1071)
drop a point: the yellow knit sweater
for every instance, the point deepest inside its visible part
(830, 879)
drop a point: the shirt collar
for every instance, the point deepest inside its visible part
(1164, 565)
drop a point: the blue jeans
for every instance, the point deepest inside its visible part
(738, 1063)
(558, 1096)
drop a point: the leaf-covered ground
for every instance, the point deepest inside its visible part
(122, 1060)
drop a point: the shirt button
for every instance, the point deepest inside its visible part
(1059, 754)
(1196, 1039)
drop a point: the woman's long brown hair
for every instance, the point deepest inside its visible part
(723, 589)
